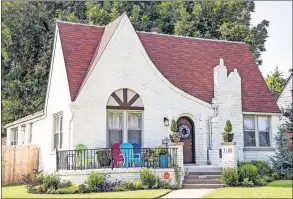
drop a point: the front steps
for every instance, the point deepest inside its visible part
(202, 177)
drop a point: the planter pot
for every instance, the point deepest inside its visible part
(230, 137)
(163, 161)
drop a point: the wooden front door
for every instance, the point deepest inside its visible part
(188, 145)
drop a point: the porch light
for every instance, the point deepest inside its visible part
(165, 141)
(166, 121)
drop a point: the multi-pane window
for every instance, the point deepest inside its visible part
(249, 131)
(30, 133)
(124, 126)
(14, 136)
(134, 128)
(23, 133)
(58, 131)
(256, 131)
(264, 131)
(115, 127)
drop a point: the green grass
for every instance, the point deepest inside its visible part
(276, 189)
(280, 183)
(20, 192)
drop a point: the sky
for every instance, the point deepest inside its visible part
(279, 43)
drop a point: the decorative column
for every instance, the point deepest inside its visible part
(229, 155)
(179, 160)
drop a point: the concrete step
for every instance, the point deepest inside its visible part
(202, 181)
(201, 186)
(202, 168)
(189, 177)
(205, 173)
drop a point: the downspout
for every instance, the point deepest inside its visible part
(70, 124)
(215, 107)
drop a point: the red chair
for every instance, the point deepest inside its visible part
(116, 153)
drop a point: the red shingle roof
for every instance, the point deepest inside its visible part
(191, 59)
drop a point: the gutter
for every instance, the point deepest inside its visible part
(215, 107)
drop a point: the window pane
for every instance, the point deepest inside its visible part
(115, 120)
(56, 140)
(61, 140)
(263, 123)
(249, 138)
(31, 133)
(115, 136)
(134, 121)
(134, 136)
(264, 139)
(248, 123)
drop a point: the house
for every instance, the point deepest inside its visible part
(111, 84)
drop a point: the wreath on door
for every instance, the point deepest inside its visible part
(184, 131)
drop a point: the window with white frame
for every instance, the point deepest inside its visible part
(115, 127)
(134, 128)
(14, 136)
(23, 133)
(30, 133)
(131, 130)
(256, 131)
(58, 130)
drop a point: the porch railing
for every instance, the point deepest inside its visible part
(114, 158)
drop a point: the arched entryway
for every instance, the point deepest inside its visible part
(186, 127)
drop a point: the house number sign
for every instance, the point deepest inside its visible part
(229, 150)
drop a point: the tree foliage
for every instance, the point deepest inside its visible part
(28, 33)
(276, 82)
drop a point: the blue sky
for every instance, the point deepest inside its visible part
(279, 43)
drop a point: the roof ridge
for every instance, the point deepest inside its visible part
(197, 38)
(83, 24)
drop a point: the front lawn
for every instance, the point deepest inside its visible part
(20, 192)
(277, 189)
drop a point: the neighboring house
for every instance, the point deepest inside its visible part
(114, 84)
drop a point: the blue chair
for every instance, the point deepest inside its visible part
(137, 156)
(127, 152)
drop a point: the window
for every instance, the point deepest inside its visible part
(249, 131)
(14, 136)
(256, 131)
(30, 133)
(115, 127)
(22, 133)
(134, 128)
(58, 129)
(264, 131)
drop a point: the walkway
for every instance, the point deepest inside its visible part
(187, 193)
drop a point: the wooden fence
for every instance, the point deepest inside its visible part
(17, 161)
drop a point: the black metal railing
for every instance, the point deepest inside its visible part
(116, 158)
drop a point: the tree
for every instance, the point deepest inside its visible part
(282, 159)
(28, 33)
(275, 82)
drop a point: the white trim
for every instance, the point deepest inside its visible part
(260, 113)
(197, 38)
(25, 119)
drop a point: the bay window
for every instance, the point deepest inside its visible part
(124, 126)
(256, 131)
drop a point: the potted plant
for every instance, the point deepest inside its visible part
(162, 153)
(104, 158)
(174, 137)
(227, 134)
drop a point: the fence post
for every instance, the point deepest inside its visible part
(179, 156)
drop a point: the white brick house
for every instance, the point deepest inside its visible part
(112, 83)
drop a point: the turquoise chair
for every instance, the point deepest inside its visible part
(127, 152)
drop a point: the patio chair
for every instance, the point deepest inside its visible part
(127, 152)
(116, 153)
(137, 155)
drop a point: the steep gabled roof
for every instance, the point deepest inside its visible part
(186, 62)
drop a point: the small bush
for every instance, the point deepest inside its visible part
(165, 185)
(51, 181)
(133, 185)
(66, 190)
(119, 188)
(64, 184)
(267, 178)
(275, 176)
(94, 180)
(38, 189)
(248, 171)
(230, 177)
(82, 188)
(263, 168)
(247, 183)
(149, 178)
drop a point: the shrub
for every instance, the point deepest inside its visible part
(267, 178)
(108, 185)
(33, 180)
(230, 177)
(246, 182)
(133, 185)
(66, 190)
(38, 189)
(248, 171)
(65, 183)
(82, 188)
(94, 180)
(51, 181)
(149, 178)
(263, 168)
(165, 185)
(260, 181)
